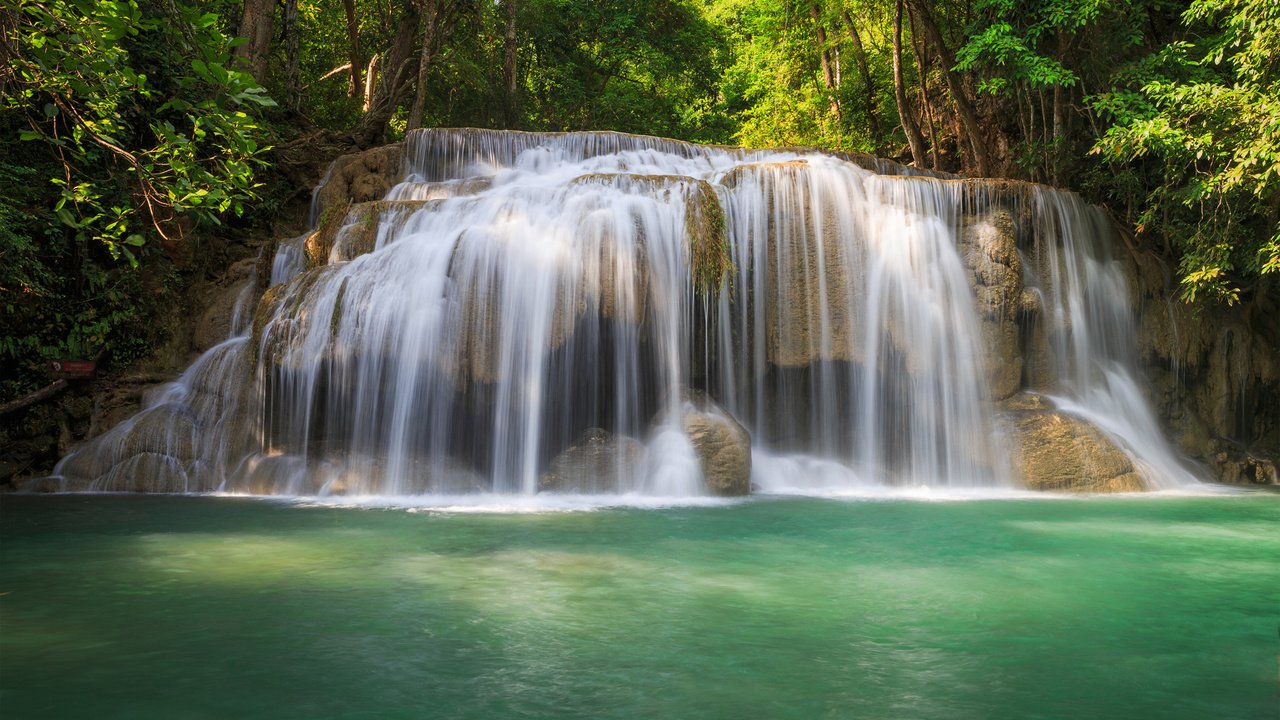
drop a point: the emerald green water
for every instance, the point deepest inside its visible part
(172, 607)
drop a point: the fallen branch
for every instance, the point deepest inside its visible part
(43, 393)
(326, 76)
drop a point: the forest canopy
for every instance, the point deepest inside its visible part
(130, 129)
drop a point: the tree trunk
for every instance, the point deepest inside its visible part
(430, 37)
(909, 126)
(828, 73)
(371, 80)
(397, 71)
(964, 106)
(255, 28)
(353, 48)
(1059, 115)
(864, 70)
(291, 32)
(922, 63)
(509, 46)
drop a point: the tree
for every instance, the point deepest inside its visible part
(256, 28)
(124, 127)
(1208, 113)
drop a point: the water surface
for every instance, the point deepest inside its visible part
(203, 607)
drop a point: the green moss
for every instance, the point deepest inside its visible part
(280, 300)
(320, 243)
(261, 315)
(710, 262)
(335, 320)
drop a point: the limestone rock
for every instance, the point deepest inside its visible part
(228, 300)
(1241, 468)
(1216, 369)
(1053, 450)
(361, 177)
(146, 472)
(215, 325)
(990, 251)
(597, 462)
(168, 430)
(723, 447)
(453, 477)
(815, 290)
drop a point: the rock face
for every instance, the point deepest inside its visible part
(813, 286)
(1052, 450)
(597, 462)
(361, 177)
(990, 251)
(1237, 467)
(1215, 371)
(228, 308)
(723, 447)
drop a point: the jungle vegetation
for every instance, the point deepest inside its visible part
(132, 129)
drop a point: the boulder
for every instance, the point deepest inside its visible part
(360, 177)
(722, 444)
(597, 462)
(1053, 450)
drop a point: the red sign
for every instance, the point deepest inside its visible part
(73, 368)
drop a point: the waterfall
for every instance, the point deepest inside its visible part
(598, 312)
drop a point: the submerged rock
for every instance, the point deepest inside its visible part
(597, 462)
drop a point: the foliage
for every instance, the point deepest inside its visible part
(1208, 113)
(182, 147)
(122, 123)
(774, 89)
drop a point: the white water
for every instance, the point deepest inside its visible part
(1084, 289)
(525, 288)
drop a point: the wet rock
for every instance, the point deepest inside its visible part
(90, 462)
(1237, 467)
(50, 485)
(1053, 450)
(452, 477)
(989, 247)
(597, 462)
(1215, 370)
(219, 319)
(723, 447)
(146, 473)
(168, 429)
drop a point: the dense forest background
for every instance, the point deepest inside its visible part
(131, 131)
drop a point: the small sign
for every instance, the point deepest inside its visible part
(71, 369)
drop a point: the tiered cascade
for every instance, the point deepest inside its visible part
(595, 312)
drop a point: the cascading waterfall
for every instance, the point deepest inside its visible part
(1085, 290)
(521, 308)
